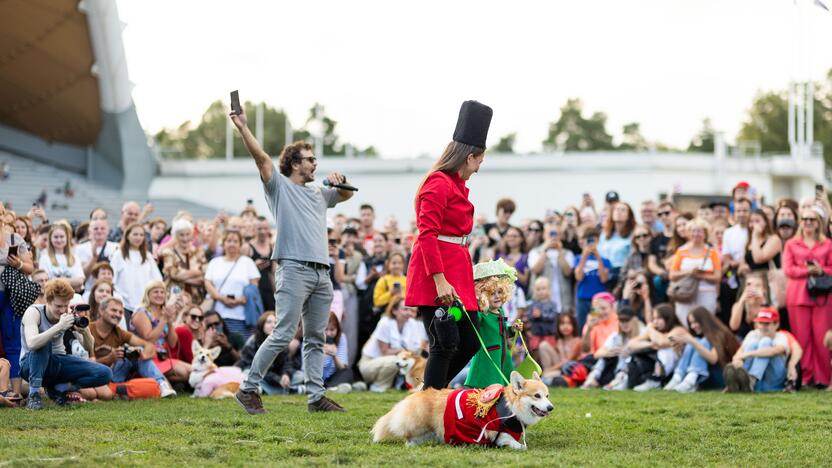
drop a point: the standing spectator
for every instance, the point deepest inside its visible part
(721, 212)
(709, 346)
(785, 222)
(614, 243)
(649, 212)
(764, 246)
(277, 379)
(336, 261)
(659, 252)
(193, 329)
(809, 253)
(534, 234)
(734, 244)
(705, 212)
(699, 260)
(183, 264)
(639, 255)
(353, 260)
(153, 321)
(260, 250)
(512, 249)
(133, 267)
(226, 278)
(368, 229)
(24, 230)
(58, 260)
(495, 231)
(97, 249)
(551, 260)
(591, 273)
(392, 284)
(569, 230)
(157, 228)
(9, 322)
(542, 315)
(131, 213)
(366, 278)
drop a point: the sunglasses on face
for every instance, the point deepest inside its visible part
(642, 236)
(213, 325)
(808, 220)
(535, 230)
(664, 213)
(333, 242)
(198, 318)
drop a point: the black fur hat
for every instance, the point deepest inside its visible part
(472, 124)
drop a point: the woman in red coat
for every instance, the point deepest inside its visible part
(440, 269)
(809, 253)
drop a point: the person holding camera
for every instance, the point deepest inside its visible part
(45, 362)
(392, 283)
(591, 272)
(304, 288)
(125, 353)
(225, 280)
(153, 321)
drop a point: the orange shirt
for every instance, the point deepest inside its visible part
(601, 331)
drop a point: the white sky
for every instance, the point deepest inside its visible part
(393, 74)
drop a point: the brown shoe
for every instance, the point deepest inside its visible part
(325, 404)
(744, 383)
(250, 401)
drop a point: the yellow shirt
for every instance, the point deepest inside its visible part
(384, 288)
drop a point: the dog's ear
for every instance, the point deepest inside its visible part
(535, 376)
(195, 346)
(215, 352)
(517, 381)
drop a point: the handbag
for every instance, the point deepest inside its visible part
(684, 290)
(819, 285)
(208, 304)
(22, 291)
(776, 285)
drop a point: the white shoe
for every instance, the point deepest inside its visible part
(166, 390)
(359, 387)
(647, 385)
(377, 388)
(689, 384)
(618, 383)
(341, 388)
(674, 382)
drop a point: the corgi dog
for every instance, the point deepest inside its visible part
(412, 367)
(496, 416)
(207, 379)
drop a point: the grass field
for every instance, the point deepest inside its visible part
(586, 428)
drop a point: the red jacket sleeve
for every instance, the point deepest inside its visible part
(827, 261)
(433, 200)
(790, 266)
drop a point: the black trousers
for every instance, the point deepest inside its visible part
(444, 362)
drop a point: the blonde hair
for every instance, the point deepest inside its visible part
(821, 230)
(149, 287)
(70, 259)
(487, 286)
(702, 224)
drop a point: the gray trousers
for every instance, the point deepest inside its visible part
(304, 293)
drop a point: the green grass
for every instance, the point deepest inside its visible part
(624, 429)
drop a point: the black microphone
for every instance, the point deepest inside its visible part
(340, 186)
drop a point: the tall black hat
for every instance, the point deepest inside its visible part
(472, 124)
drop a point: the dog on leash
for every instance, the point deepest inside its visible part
(207, 379)
(496, 416)
(412, 367)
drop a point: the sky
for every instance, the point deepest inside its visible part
(393, 74)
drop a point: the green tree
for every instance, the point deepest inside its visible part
(574, 132)
(703, 142)
(506, 144)
(632, 139)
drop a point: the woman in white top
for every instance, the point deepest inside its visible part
(133, 266)
(225, 280)
(58, 260)
(398, 330)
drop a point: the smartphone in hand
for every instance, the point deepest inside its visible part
(235, 103)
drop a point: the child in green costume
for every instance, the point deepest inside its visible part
(493, 284)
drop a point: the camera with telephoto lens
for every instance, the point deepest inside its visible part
(131, 353)
(80, 321)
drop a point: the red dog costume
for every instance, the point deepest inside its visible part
(469, 413)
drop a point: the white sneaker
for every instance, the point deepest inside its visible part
(359, 387)
(166, 390)
(689, 384)
(618, 383)
(341, 388)
(674, 382)
(377, 388)
(647, 385)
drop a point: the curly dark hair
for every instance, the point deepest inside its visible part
(290, 154)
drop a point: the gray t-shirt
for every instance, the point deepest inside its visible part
(300, 215)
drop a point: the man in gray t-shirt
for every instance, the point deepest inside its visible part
(302, 284)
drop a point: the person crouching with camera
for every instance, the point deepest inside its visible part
(125, 353)
(45, 362)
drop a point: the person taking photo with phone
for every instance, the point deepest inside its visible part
(304, 289)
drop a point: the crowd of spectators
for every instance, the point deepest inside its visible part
(732, 296)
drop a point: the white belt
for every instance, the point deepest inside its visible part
(463, 241)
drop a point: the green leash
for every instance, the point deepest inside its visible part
(484, 348)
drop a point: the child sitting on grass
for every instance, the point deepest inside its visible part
(542, 314)
(760, 364)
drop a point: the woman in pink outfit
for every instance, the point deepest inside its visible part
(809, 253)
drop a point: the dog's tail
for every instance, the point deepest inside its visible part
(382, 430)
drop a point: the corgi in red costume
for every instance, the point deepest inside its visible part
(495, 416)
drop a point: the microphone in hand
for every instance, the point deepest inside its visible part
(343, 186)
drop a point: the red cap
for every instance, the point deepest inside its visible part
(767, 315)
(742, 184)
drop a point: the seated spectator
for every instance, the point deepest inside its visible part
(226, 278)
(44, 362)
(603, 322)
(708, 347)
(153, 321)
(397, 330)
(754, 297)
(8, 397)
(133, 267)
(697, 259)
(58, 260)
(760, 364)
(102, 271)
(126, 354)
(392, 283)
(193, 329)
(553, 260)
(183, 264)
(218, 334)
(567, 347)
(542, 315)
(96, 250)
(278, 378)
(337, 373)
(613, 358)
(654, 354)
(615, 240)
(591, 273)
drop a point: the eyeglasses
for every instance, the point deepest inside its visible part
(535, 230)
(311, 159)
(809, 219)
(333, 242)
(664, 213)
(198, 318)
(213, 325)
(642, 236)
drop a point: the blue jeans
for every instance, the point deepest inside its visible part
(582, 309)
(10, 328)
(41, 368)
(124, 368)
(770, 372)
(692, 361)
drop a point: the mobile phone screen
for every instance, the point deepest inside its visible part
(235, 102)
